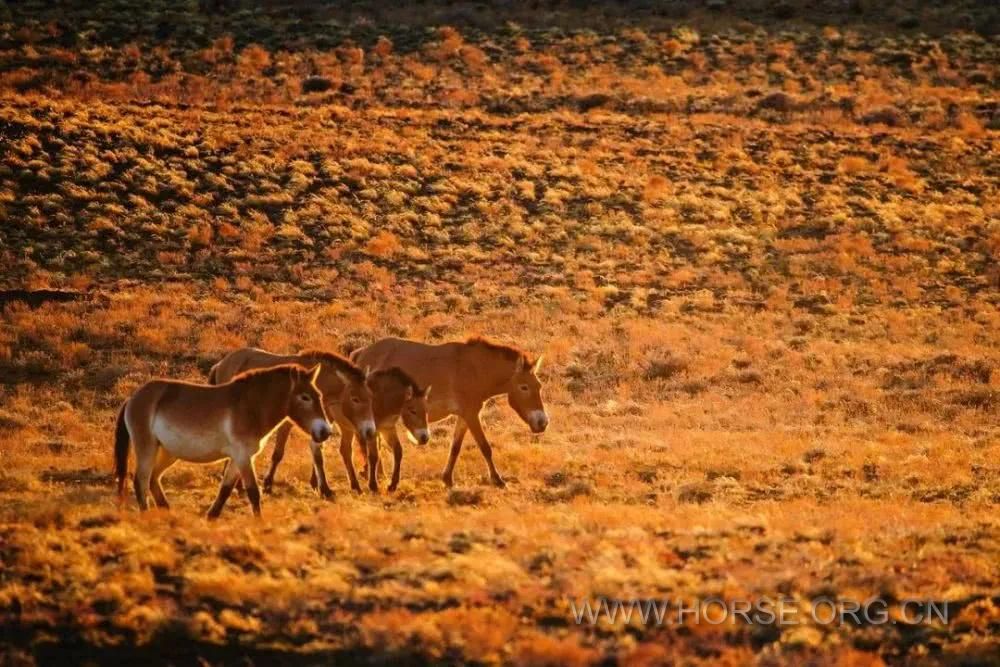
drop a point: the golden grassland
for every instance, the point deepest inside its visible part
(761, 258)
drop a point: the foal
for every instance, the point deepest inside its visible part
(346, 390)
(170, 420)
(465, 375)
(394, 395)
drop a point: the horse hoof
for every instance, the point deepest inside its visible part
(499, 483)
(391, 488)
(326, 493)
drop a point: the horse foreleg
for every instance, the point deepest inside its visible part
(319, 470)
(281, 439)
(487, 451)
(373, 463)
(397, 456)
(456, 449)
(346, 437)
(229, 477)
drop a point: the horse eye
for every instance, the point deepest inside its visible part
(305, 398)
(524, 387)
(355, 400)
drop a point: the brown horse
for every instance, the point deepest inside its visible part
(396, 396)
(171, 420)
(465, 375)
(346, 389)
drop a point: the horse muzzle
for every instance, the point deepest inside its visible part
(366, 430)
(422, 436)
(538, 421)
(320, 431)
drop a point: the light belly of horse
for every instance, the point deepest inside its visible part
(202, 443)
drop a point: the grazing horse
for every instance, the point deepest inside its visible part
(465, 375)
(346, 390)
(167, 420)
(395, 396)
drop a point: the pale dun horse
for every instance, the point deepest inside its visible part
(465, 375)
(346, 391)
(171, 420)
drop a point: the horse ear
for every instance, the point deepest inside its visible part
(520, 364)
(314, 373)
(343, 377)
(368, 372)
(538, 364)
(427, 391)
(408, 394)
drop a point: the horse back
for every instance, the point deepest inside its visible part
(246, 359)
(437, 366)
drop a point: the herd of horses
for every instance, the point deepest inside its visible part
(252, 393)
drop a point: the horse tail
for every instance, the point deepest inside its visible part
(121, 450)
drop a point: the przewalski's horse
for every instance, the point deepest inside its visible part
(346, 391)
(464, 376)
(171, 420)
(395, 395)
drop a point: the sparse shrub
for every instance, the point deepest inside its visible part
(778, 101)
(890, 116)
(316, 84)
(460, 497)
(695, 492)
(664, 369)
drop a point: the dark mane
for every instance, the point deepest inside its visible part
(508, 351)
(400, 376)
(340, 363)
(258, 372)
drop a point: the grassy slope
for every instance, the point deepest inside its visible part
(760, 256)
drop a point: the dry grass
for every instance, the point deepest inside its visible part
(762, 268)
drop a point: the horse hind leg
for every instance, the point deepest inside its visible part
(145, 460)
(229, 478)
(163, 461)
(249, 477)
(146, 451)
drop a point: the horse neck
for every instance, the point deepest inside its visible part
(266, 398)
(495, 371)
(388, 399)
(329, 382)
